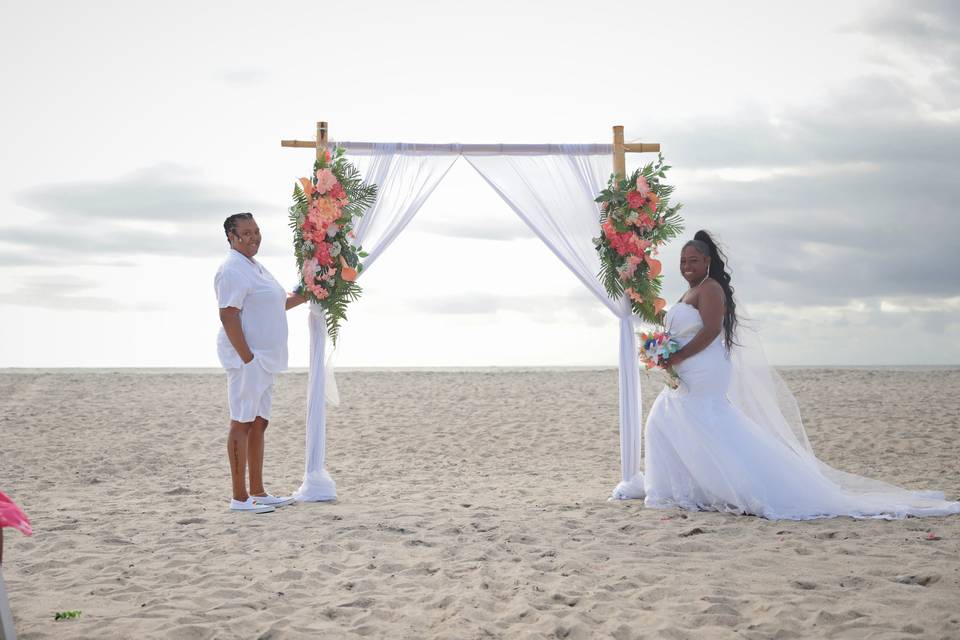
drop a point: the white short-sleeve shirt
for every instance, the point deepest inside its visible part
(245, 284)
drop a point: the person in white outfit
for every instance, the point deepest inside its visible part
(730, 438)
(252, 347)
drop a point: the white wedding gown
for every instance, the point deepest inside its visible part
(730, 439)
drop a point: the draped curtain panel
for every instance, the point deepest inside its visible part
(553, 193)
(405, 180)
(552, 188)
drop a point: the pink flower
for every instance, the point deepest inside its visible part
(325, 180)
(310, 270)
(643, 187)
(635, 199)
(323, 211)
(630, 267)
(624, 243)
(318, 290)
(634, 295)
(321, 254)
(337, 191)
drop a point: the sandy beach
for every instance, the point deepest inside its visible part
(472, 504)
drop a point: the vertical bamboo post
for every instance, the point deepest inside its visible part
(321, 139)
(619, 152)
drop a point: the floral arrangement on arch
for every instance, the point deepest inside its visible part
(325, 208)
(636, 219)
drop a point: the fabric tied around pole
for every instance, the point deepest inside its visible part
(317, 484)
(631, 486)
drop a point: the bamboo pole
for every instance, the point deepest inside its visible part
(619, 152)
(321, 139)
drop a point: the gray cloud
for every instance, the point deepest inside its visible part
(163, 192)
(860, 197)
(929, 31)
(89, 221)
(835, 237)
(929, 28)
(875, 119)
(64, 293)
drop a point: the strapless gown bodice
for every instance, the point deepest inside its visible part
(707, 372)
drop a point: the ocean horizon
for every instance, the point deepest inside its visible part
(455, 369)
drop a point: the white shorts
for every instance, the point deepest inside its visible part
(249, 392)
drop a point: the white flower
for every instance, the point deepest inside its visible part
(332, 230)
(308, 246)
(334, 249)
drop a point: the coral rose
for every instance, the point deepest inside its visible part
(347, 272)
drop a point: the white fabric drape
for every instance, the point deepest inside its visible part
(552, 188)
(317, 484)
(405, 180)
(553, 193)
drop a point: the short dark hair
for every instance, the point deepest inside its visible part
(230, 224)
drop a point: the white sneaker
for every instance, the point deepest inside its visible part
(273, 501)
(250, 505)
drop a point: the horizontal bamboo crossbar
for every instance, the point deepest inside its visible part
(303, 144)
(641, 147)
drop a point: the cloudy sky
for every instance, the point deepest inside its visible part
(818, 140)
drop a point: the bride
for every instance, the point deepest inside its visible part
(730, 437)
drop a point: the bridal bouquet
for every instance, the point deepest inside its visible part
(656, 347)
(325, 208)
(636, 219)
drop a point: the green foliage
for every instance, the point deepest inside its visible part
(66, 615)
(359, 197)
(623, 219)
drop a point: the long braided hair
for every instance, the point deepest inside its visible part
(704, 243)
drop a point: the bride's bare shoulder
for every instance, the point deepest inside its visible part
(712, 285)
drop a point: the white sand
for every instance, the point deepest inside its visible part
(472, 505)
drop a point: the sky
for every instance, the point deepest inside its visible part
(818, 141)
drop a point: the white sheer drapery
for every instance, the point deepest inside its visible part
(552, 188)
(405, 179)
(553, 193)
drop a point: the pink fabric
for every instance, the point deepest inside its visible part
(12, 516)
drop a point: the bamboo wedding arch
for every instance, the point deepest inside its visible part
(318, 485)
